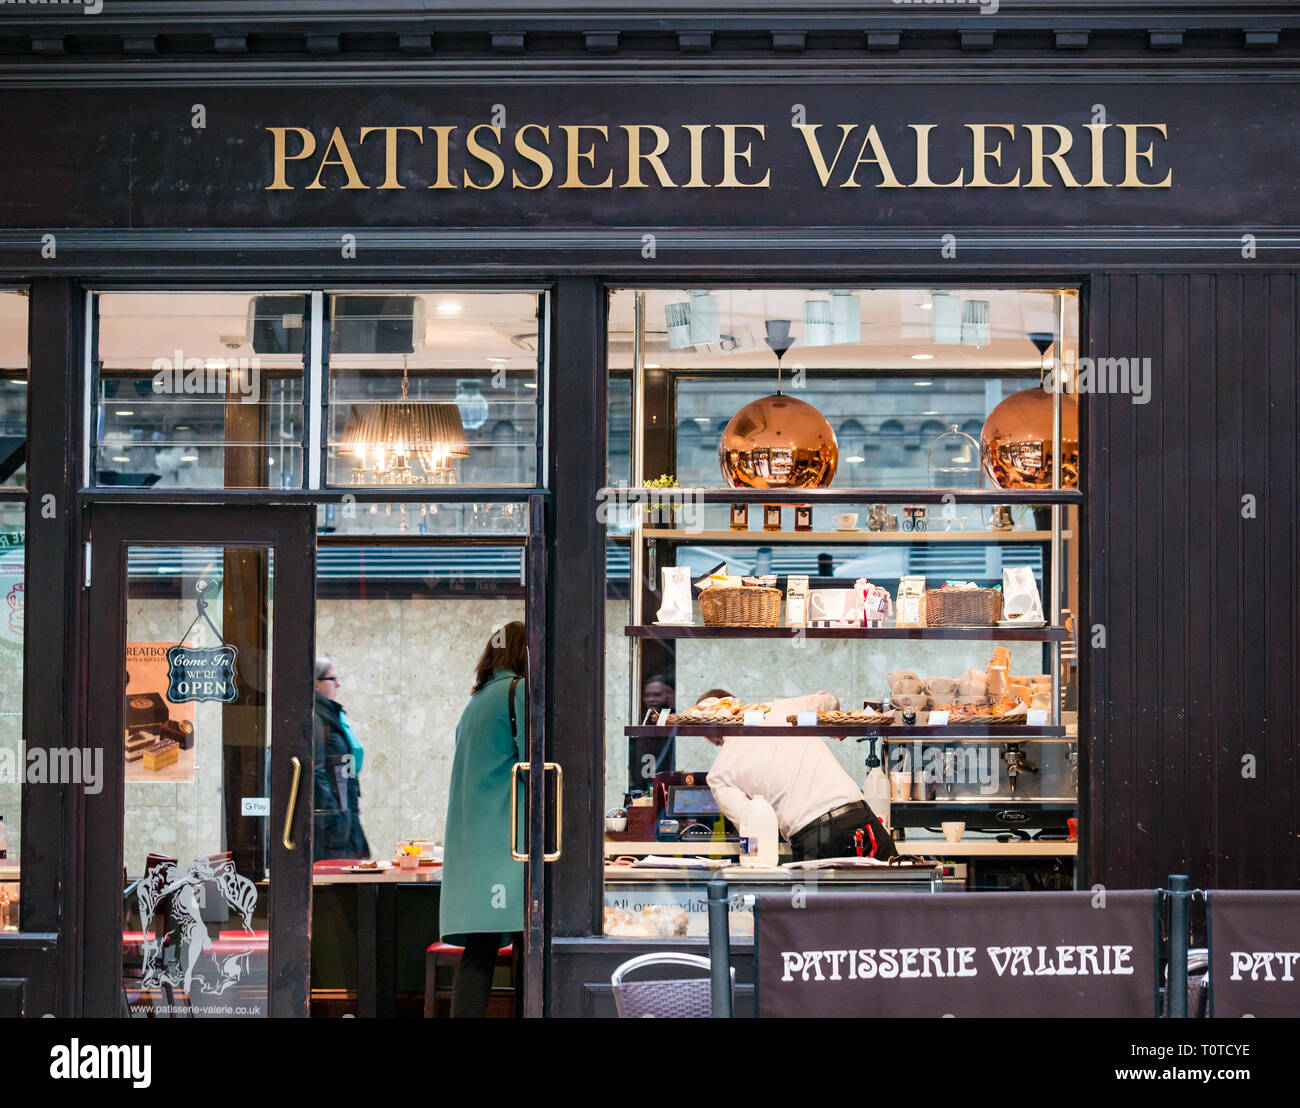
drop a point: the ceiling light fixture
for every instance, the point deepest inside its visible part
(385, 438)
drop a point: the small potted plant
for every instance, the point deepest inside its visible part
(660, 514)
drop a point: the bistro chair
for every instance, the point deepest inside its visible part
(690, 997)
(438, 984)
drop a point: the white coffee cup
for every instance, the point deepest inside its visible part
(953, 831)
(846, 521)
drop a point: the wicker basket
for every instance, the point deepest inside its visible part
(743, 607)
(963, 607)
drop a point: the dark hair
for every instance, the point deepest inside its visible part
(506, 649)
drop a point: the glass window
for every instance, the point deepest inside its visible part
(200, 390)
(198, 893)
(897, 387)
(402, 625)
(434, 388)
(13, 388)
(12, 581)
(479, 521)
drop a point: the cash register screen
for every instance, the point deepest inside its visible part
(691, 802)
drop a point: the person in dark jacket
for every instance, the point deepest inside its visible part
(336, 812)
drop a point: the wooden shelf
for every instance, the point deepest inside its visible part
(776, 538)
(956, 731)
(977, 634)
(1039, 497)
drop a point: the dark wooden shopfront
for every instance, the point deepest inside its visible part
(1190, 581)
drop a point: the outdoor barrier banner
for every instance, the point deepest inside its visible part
(985, 954)
(1254, 953)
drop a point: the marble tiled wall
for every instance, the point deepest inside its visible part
(407, 668)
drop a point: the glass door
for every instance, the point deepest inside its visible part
(199, 703)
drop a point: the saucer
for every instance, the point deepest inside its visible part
(846, 530)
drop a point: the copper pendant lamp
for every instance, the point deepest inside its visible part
(1016, 443)
(778, 442)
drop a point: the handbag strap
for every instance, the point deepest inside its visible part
(514, 723)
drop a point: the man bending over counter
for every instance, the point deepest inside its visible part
(819, 808)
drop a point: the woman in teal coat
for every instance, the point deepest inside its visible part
(482, 885)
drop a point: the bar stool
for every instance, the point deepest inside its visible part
(440, 955)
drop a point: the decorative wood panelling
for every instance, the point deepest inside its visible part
(1192, 765)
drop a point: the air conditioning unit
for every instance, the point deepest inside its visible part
(947, 318)
(377, 325)
(275, 324)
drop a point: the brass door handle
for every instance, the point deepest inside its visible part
(514, 809)
(289, 844)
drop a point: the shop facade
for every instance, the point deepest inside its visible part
(535, 194)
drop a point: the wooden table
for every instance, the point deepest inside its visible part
(376, 928)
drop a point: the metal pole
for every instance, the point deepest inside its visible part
(1179, 903)
(637, 478)
(719, 950)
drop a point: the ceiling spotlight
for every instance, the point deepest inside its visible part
(448, 307)
(922, 357)
(923, 384)
(816, 323)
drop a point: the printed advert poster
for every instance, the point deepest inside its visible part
(159, 733)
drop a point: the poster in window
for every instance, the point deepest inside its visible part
(159, 736)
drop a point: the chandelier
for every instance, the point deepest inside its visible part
(385, 439)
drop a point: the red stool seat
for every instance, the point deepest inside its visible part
(442, 954)
(450, 953)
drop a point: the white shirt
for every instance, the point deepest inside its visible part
(797, 775)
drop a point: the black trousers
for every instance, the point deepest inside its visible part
(471, 989)
(834, 835)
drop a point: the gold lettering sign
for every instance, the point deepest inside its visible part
(537, 155)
